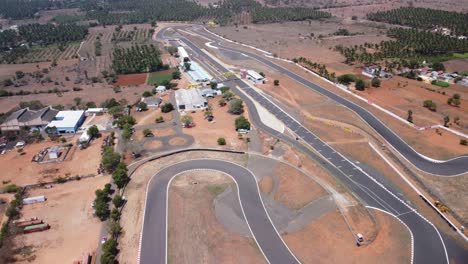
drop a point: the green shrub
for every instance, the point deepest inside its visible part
(221, 141)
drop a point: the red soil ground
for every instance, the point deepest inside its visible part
(132, 79)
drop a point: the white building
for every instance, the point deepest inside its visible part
(255, 77)
(190, 100)
(183, 55)
(160, 89)
(68, 121)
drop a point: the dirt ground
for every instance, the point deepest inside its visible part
(149, 117)
(21, 171)
(177, 141)
(133, 210)
(74, 230)
(132, 79)
(295, 190)
(207, 133)
(195, 235)
(332, 243)
(456, 65)
(157, 132)
(294, 39)
(153, 144)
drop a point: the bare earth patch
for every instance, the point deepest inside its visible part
(327, 240)
(73, 231)
(266, 184)
(195, 235)
(177, 141)
(295, 190)
(153, 144)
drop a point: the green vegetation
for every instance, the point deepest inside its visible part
(216, 190)
(100, 204)
(346, 78)
(159, 119)
(410, 48)
(236, 106)
(157, 78)
(120, 175)
(429, 104)
(110, 159)
(93, 131)
(242, 123)
(221, 141)
(316, 67)
(375, 82)
(463, 142)
(454, 100)
(276, 82)
(167, 107)
(147, 132)
(68, 18)
(424, 18)
(440, 83)
(360, 85)
(137, 59)
(45, 34)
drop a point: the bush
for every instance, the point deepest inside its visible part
(236, 107)
(159, 119)
(276, 82)
(346, 78)
(93, 131)
(11, 188)
(224, 89)
(120, 176)
(147, 132)
(221, 141)
(167, 107)
(242, 123)
(375, 82)
(360, 85)
(117, 89)
(430, 105)
(464, 142)
(60, 180)
(110, 159)
(143, 106)
(147, 94)
(117, 201)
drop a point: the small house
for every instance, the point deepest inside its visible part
(152, 102)
(160, 89)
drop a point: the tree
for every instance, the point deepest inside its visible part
(147, 132)
(7, 82)
(167, 107)
(159, 119)
(262, 74)
(228, 95)
(354, 18)
(375, 82)
(147, 94)
(19, 74)
(143, 106)
(172, 50)
(446, 121)
(236, 107)
(213, 85)
(120, 176)
(410, 116)
(221, 141)
(176, 74)
(222, 102)
(114, 229)
(346, 78)
(438, 66)
(110, 159)
(360, 85)
(242, 123)
(117, 201)
(110, 246)
(187, 66)
(276, 82)
(463, 142)
(430, 105)
(93, 131)
(187, 120)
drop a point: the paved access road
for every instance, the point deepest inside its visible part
(451, 167)
(428, 244)
(154, 234)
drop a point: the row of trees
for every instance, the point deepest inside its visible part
(424, 18)
(316, 67)
(50, 33)
(137, 59)
(411, 44)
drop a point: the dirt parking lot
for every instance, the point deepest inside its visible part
(22, 171)
(73, 231)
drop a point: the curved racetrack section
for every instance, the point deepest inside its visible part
(451, 167)
(153, 247)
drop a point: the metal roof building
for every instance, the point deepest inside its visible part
(190, 100)
(29, 118)
(68, 121)
(197, 73)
